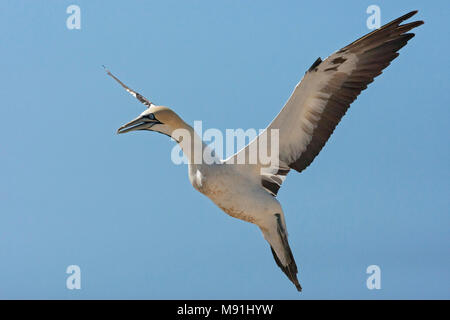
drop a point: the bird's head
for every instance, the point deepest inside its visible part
(155, 118)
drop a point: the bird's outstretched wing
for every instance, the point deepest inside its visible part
(138, 96)
(323, 96)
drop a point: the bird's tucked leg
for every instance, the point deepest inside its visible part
(282, 252)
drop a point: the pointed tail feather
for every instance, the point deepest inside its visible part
(289, 267)
(289, 270)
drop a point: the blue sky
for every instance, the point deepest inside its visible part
(72, 192)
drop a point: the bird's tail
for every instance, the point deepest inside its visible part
(287, 263)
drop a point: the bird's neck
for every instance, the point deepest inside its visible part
(192, 144)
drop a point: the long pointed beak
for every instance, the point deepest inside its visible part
(140, 123)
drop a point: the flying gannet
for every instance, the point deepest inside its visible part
(248, 190)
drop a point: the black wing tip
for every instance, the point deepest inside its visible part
(397, 22)
(405, 17)
(419, 23)
(412, 25)
(411, 13)
(106, 70)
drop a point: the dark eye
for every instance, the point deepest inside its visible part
(151, 116)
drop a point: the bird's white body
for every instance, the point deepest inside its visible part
(248, 191)
(234, 192)
(237, 193)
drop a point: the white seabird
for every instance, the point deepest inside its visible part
(248, 191)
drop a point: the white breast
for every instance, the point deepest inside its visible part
(234, 193)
